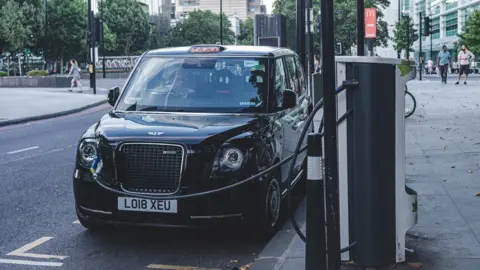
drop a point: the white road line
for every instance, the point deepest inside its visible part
(23, 250)
(176, 267)
(23, 150)
(76, 222)
(34, 263)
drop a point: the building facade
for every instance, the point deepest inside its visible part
(237, 8)
(448, 18)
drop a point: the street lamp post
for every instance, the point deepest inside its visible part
(221, 22)
(45, 47)
(103, 40)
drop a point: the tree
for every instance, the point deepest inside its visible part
(129, 22)
(400, 39)
(345, 21)
(246, 32)
(200, 27)
(66, 22)
(109, 39)
(14, 34)
(471, 33)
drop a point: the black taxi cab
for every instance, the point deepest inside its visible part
(190, 120)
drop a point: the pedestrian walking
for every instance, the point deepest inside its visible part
(75, 70)
(444, 59)
(464, 58)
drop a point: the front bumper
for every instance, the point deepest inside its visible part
(97, 204)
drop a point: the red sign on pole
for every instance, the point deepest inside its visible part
(371, 23)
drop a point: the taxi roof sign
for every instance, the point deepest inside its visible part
(206, 49)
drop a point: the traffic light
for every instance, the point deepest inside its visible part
(98, 30)
(338, 49)
(414, 34)
(426, 26)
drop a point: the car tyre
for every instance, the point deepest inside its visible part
(266, 216)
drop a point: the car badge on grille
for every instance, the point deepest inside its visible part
(169, 152)
(155, 133)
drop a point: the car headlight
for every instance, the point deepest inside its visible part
(88, 152)
(232, 158)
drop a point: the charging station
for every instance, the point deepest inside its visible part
(376, 206)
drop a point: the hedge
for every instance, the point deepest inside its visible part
(37, 73)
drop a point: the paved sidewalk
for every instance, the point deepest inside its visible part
(21, 105)
(443, 166)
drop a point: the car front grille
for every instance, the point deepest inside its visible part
(151, 167)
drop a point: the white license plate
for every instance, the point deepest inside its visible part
(147, 205)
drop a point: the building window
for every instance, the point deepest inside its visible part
(451, 4)
(421, 6)
(406, 5)
(435, 28)
(468, 11)
(435, 10)
(188, 3)
(451, 21)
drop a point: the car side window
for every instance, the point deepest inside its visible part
(292, 74)
(301, 76)
(280, 81)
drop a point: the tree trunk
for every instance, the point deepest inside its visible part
(61, 64)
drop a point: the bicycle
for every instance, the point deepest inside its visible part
(409, 112)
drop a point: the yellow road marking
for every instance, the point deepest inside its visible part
(23, 251)
(177, 267)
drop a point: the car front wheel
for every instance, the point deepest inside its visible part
(266, 214)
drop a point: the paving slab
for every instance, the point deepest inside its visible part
(443, 166)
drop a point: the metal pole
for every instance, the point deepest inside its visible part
(300, 34)
(431, 46)
(420, 58)
(315, 252)
(45, 49)
(103, 42)
(92, 45)
(221, 22)
(330, 118)
(399, 20)
(408, 37)
(309, 38)
(360, 27)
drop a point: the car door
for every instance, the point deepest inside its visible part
(304, 102)
(283, 120)
(299, 114)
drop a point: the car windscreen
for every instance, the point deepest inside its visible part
(198, 84)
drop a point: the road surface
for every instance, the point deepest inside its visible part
(39, 225)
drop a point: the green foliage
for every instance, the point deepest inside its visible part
(66, 22)
(246, 32)
(13, 33)
(3, 74)
(400, 39)
(406, 67)
(109, 39)
(37, 73)
(345, 20)
(129, 22)
(471, 34)
(200, 27)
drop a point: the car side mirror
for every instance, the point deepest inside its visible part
(289, 99)
(113, 94)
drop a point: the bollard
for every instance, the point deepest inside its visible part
(315, 252)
